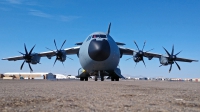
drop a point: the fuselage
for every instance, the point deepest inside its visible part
(99, 52)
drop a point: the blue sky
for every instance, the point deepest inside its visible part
(159, 23)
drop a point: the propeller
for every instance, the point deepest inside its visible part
(59, 53)
(172, 58)
(27, 57)
(140, 54)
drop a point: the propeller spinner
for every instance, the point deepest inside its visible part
(60, 54)
(27, 57)
(172, 58)
(140, 54)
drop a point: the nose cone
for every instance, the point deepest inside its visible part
(99, 50)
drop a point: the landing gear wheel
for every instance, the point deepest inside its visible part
(102, 78)
(81, 78)
(86, 78)
(112, 78)
(117, 79)
(95, 78)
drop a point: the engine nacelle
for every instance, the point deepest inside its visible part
(62, 57)
(35, 58)
(164, 60)
(137, 57)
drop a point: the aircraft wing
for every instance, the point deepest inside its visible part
(185, 60)
(15, 58)
(127, 51)
(150, 55)
(69, 51)
(49, 54)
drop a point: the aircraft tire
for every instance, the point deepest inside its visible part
(112, 78)
(86, 78)
(102, 78)
(117, 79)
(81, 78)
(95, 79)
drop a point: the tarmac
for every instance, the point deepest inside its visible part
(77, 96)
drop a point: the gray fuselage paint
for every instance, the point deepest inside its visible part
(110, 63)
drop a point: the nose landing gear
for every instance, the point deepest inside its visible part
(100, 74)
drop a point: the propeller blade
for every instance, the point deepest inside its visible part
(63, 64)
(143, 45)
(55, 62)
(160, 65)
(21, 53)
(55, 44)
(25, 48)
(30, 67)
(178, 53)
(149, 50)
(136, 45)
(135, 64)
(50, 50)
(129, 58)
(166, 51)
(170, 68)
(177, 65)
(144, 63)
(22, 65)
(70, 58)
(31, 50)
(62, 44)
(172, 50)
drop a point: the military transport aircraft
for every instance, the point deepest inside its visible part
(99, 56)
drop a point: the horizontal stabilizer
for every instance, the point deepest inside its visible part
(79, 43)
(119, 43)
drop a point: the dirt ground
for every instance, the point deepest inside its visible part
(72, 95)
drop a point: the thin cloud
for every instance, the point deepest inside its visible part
(15, 1)
(68, 18)
(4, 9)
(49, 16)
(39, 14)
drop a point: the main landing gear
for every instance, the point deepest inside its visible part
(100, 74)
(83, 78)
(114, 78)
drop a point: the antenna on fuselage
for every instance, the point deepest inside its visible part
(109, 29)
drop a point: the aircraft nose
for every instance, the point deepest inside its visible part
(99, 50)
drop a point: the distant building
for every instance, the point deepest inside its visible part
(60, 76)
(1, 75)
(72, 77)
(46, 75)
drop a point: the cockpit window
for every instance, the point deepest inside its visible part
(99, 36)
(88, 38)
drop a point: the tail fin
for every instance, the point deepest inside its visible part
(109, 29)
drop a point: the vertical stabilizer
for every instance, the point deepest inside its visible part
(109, 29)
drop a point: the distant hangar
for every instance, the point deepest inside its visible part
(39, 75)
